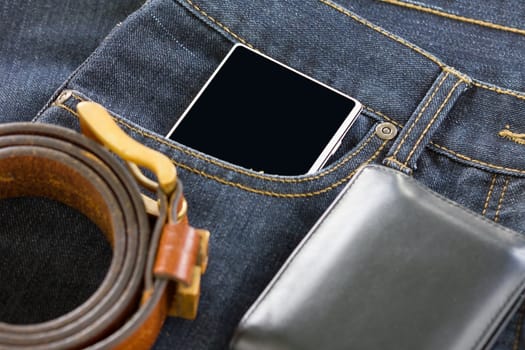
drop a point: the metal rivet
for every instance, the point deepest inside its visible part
(386, 131)
(64, 96)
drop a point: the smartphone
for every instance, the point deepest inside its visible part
(260, 114)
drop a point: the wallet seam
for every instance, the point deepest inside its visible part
(465, 210)
(335, 204)
(519, 287)
(292, 257)
(511, 297)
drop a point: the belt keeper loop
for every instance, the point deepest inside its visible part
(182, 258)
(177, 253)
(432, 111)
(182, 252)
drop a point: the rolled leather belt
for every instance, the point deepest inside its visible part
(153, 271)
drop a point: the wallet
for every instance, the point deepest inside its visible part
(391, 265)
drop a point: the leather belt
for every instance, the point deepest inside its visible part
(153, 273)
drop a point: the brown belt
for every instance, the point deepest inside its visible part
(154, 271)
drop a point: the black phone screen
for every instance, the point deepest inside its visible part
(263, 116)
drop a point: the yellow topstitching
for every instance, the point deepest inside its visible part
(489, 194)
(252, 189)
(519, 326)
(423, 52)
(330, 170)
(449, 15)
(434, 118)
(420, 114)
(501, 197)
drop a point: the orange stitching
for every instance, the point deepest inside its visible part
(518, 138)
(398, 163)
(434, 118)
(383, 116)
(420, 114)
(247, 173)
(465, 78)
(519, 325)
(422, 52)
(456, 17)
(498, 90)
(222, 26)
(276, 194)
(489, 195)
(443, 148)
(501, 197)
(66, 108)
(382, 31)
(328, 171)
(469, 159)
(255, 190)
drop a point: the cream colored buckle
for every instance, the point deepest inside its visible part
(97, 124)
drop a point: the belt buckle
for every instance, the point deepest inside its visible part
(180, 254)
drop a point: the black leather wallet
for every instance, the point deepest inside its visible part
(391, 265)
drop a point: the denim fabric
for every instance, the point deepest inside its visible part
(52, 258)
(42, 42)
(447, 75)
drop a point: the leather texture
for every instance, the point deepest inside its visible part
(178, 257)
(124, 313)
(391, 265)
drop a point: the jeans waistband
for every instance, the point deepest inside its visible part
(389, 75)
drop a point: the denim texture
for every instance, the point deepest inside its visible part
(447, 75)
(52, 258)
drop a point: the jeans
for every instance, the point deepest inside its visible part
(447, 75)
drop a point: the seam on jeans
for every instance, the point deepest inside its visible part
(441, 13)
(245, 187)
(323, 173)
(501, 198)
(489, 194)
(519, 326)
(67, 108)
(279, 194)
(420, 114)
(170, 35)
(442, 148)
(384, 116)
(499, 90)
(385, 33)
(399, 164)
(510, 298)
(222, 26)
(382, 31)
(432, 121)
(277, 278)
(461, 76)
(476, 161)
(456, 206)
(247, 173)
(422, 52)
(518, 138)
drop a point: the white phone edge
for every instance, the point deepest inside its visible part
(335, 141)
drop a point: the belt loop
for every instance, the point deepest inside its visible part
(432, 110)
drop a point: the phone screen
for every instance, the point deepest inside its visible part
(260, 114)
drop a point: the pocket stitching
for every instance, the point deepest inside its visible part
(243, 186)
(441, 13)
(281, 194)
(318, 176)
(219, 24)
